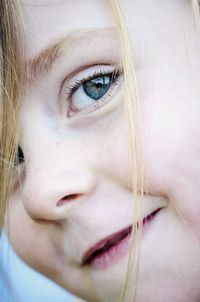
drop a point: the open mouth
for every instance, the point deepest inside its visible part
(111, 249)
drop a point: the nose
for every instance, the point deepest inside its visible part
(49, 194)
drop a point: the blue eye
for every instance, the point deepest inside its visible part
(92, 92)
(97, 87)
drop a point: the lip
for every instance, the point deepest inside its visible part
(111, 249)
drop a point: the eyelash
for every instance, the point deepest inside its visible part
(73, 88)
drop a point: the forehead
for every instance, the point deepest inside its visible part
(49, 20)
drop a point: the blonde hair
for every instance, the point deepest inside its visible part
(133, 112)
(11, 77)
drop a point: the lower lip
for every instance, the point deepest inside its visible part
(118, 251)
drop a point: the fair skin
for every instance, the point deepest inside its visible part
(84, 154)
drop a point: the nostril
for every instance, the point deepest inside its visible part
(67, 198)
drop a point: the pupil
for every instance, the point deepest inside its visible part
(97, 87)
(19, 158)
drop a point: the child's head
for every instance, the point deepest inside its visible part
(72, 207)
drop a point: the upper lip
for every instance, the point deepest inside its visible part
(109, 241)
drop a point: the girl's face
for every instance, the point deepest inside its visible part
(71, 210)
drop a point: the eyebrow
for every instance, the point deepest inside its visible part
(44, 61)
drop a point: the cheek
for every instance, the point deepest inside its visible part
(105, 150)
(23, 236)
(171, 152)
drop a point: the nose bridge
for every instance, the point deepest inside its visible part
(51, 189)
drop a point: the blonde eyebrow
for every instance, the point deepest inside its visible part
(43, 62)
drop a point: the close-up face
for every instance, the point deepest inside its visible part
(72, 207)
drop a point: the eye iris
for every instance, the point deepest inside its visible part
(97, 87)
